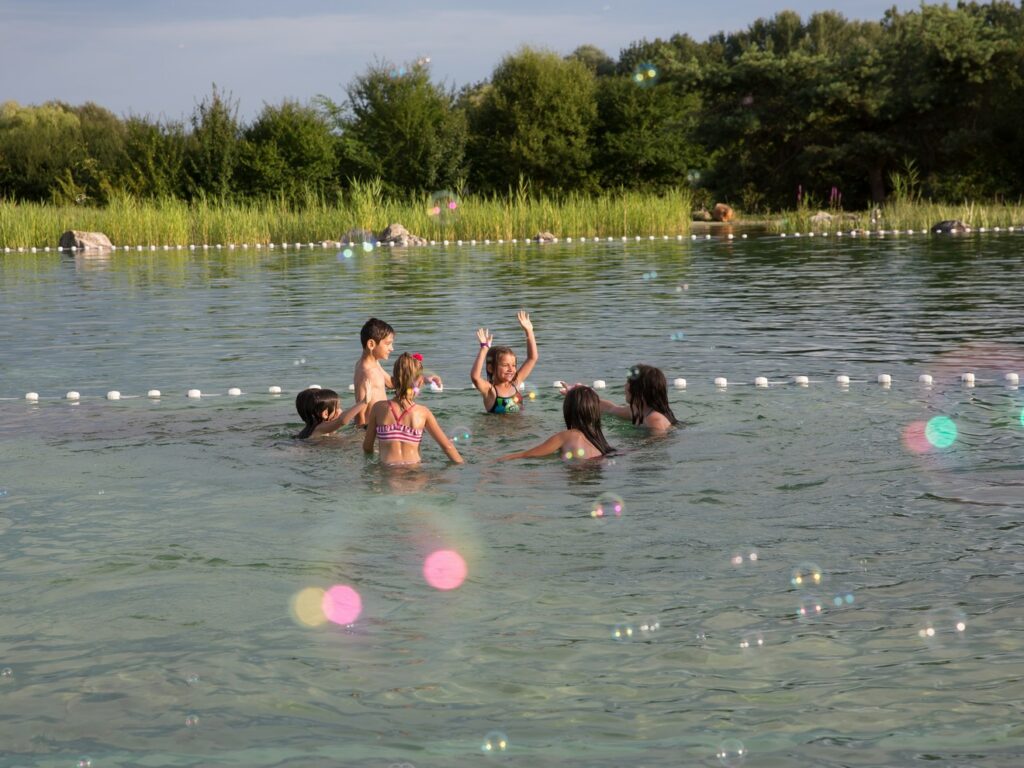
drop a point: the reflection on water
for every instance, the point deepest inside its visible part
(815, 575)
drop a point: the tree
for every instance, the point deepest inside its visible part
(594, 59)
(212, 148)
(39, 147)
(289, 150)
(155, 158)
(535, 121)
(398, 126)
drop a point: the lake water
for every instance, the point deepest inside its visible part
(798, 576)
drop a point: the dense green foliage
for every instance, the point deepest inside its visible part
(822, 111)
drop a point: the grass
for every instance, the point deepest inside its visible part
(902, 214)
(132, 221)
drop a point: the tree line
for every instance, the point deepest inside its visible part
(822, 111)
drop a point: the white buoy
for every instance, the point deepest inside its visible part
(234, 392)
(351, 387)
(72, 395)
(32, 396)
(926, 379)
(679, 383)
(721, 382)
(599, 384)
(153, 393)
(113, 395)
(761, 381)
(843, 380)
(193, 394)
(967, 378)
(802, 381)
(274, 390)
(885, 379)
(435, 387)
(1012, 379)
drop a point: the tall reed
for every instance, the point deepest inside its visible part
(128, 220)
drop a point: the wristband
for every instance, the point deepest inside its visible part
(485, 344)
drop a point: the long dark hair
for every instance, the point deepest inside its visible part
(648, 389)
(582, 411)
(311, 403)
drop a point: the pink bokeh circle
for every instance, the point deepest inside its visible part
(444, 569)
(342, 605)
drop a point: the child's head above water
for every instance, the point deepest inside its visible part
(647, 389)
(406, 376)
(377, 338)
(316, 406)
(582, 411)
(501, 364)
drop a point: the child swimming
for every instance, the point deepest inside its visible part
(321, 410)
(582, 438)
(398, 423)
(646, 400)
(501, 388)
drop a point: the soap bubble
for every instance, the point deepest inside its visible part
(744, 557)
(529, 390)
(844, 597)
(443, 205)
(645, 74)
(367, 247)
(345, 253)
(192, 679)
(608, 506)
(623, 632)
(6, 673)
(809, 607)
(807, 575)
(731, 753)
(752, 640)
(649, 626)
(941, 626)
(84, 762)
(677, 336)
(3, 493)
(191, 721)
(495, 743)
(460, 435)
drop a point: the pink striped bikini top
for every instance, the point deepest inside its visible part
(398, 431)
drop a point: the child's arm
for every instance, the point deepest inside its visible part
(341, 419)
(531, 346)
(442, 439)
(371, 430)
(549, 446)
(622, 411)
(476, 373)
(362, 385)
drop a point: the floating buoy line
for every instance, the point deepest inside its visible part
(513, 241)
(966, 380)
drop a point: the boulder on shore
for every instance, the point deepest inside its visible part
(950, 227)
(821, 217)
(396, 234)
(77, 240)
(544, 237)
(722, 212)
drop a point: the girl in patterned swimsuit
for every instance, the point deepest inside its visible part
(501, 388)
(398, 424)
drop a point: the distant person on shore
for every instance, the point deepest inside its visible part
(646, 400)
(501, 388)
(582, 437)
(320, 409)
(398, 424)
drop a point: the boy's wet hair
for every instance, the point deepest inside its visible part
(405, 374)
(310, 404)
(582, 411)
(375, 329)
(491, 363)
(648, 389)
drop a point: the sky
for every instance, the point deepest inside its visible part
(160, 59)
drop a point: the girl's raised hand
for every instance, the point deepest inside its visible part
(524, 320)
(484, 336)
